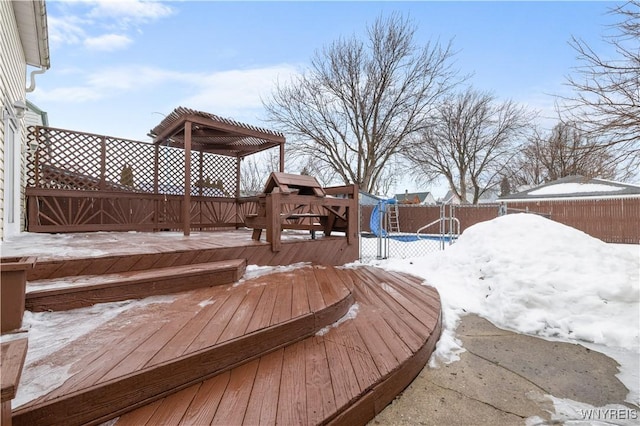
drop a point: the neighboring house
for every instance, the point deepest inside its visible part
(422, 198)
(367, 199)
(451, 198)
(575, 188)
(34, 116)
(23, 42)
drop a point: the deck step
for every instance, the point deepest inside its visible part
(345, 375)
(87, 290)
(160, 347)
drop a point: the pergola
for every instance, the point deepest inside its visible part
(199, 131)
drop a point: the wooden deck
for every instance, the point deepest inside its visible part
(309, 344)
(63, 255)
(263, 352)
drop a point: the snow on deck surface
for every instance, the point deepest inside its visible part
(95, 244)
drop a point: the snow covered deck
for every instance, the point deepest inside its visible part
(60, 255)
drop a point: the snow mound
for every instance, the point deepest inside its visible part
(535, 276)
(541, 277)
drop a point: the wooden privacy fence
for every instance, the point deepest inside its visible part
(611, 220)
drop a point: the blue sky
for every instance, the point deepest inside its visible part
(117, 66)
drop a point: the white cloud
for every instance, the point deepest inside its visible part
(107, 42)
(235, 91)
(67, 30)
(76, 21)
(129, 10)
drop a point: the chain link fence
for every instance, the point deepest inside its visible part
(382, 234)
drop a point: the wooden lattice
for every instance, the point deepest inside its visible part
(130, 164)
(66, 159)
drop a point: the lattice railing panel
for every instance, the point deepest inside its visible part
(130, 164)
(80, 161)
(65, 160)
(171, 171)
(218, 172)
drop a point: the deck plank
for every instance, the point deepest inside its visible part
(316, 299)
(343, 377)
(264, 310)
(422, 313)
(97, 364)
(146, 351)
(282, 308)
(365, 368)
(214, 328)
(140, 416)
(233, 405)
(405, 325)
(173, 407)
(178, 345)
(320, 399)
(299, 298)
(238, 324)
(206, 402)
(292, 401)
(262, 407)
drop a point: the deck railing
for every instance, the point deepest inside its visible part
(57, 210)
(80, 182)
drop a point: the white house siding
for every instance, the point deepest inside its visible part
(13, 73)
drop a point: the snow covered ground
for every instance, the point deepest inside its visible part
(534, 276)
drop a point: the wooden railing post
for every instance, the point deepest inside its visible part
(186, 202)
(352, 215)
(103, 163)
(273, 210)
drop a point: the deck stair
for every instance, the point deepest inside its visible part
(306, 345)
(86, 290)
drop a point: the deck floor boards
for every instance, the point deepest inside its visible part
(176, 326)
(348, 368)
(316, 380)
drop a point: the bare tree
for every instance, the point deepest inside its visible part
(564, 151)
(470, 139)
(256, 169)
(606, 99)
(361, 100)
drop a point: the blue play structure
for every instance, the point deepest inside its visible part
(376, 220)
(376, 217)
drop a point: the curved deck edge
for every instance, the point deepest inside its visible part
(384, 392)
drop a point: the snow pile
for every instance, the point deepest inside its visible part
(535, 276)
